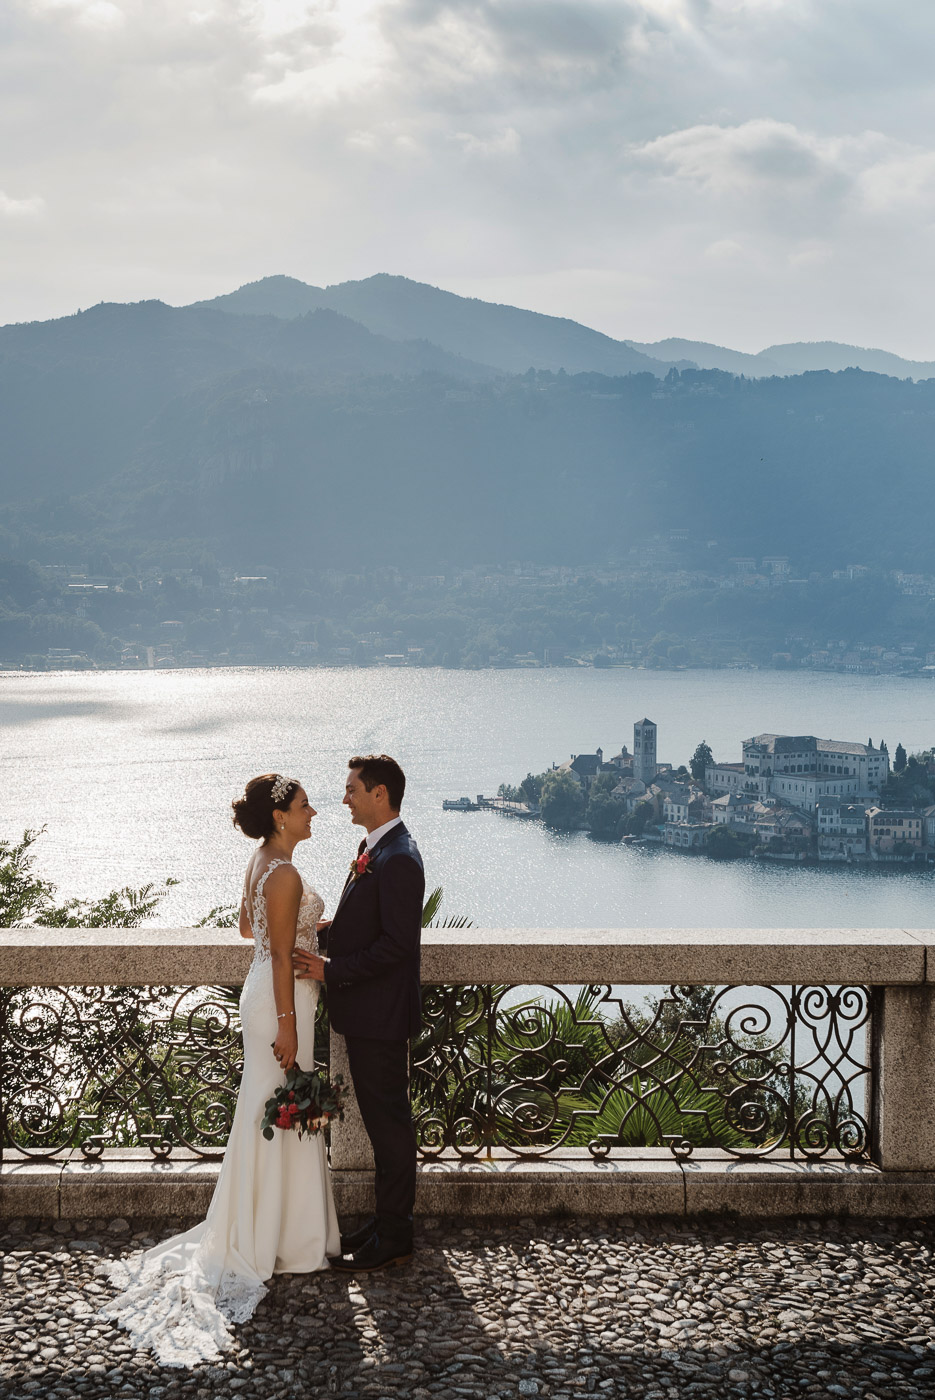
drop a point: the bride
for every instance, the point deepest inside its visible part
(272, 1211)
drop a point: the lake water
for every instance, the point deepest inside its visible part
(133, 775)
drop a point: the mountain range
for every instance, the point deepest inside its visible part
(799, 357)
(503, 337)
(266, 425)
(514, 340)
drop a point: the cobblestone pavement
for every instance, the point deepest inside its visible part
(560, 1309)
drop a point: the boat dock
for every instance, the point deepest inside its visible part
(525, 810)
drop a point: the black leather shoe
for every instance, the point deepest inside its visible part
(353, 1240)
(376, 1254)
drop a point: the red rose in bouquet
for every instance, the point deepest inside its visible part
(305, 1103)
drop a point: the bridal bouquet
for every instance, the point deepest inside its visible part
(305, 1103)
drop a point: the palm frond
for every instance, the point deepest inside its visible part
(430, 911)
(432, 906)
(221, 916)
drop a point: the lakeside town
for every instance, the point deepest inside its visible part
(666, 605)
(794, 798)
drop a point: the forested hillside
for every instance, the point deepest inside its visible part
(133, 427)
(76, 394)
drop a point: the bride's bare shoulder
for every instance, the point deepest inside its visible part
(282, 879)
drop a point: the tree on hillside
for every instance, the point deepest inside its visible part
(531, 788)
(659, 649)
(910, 787)
(899, 760)
(605, 814)
(562, 801)
(638, 820)
(509, 794)
(723, 843)
(604, 782)
(700, 760)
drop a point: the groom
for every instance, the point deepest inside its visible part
(374, 999)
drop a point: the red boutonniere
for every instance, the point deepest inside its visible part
(360, 865)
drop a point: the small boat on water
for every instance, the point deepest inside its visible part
(460, 804)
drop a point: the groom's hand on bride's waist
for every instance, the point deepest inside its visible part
(308, 966)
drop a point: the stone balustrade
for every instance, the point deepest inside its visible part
(892, 968)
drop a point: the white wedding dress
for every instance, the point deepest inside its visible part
(272, 1211)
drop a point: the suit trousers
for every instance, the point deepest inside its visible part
(380, 1071)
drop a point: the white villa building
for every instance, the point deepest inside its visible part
(800, 769)
(842, 828)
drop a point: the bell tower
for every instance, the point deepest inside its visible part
(644, 751)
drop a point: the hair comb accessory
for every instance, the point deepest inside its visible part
(280, 787)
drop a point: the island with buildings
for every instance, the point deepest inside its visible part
(791, 797)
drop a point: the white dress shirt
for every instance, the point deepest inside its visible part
(374, 836)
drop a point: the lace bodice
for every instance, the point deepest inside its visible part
(311, 909)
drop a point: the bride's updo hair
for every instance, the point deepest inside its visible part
(253, 812)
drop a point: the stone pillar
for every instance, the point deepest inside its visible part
(350, 1145)
(904, 1058)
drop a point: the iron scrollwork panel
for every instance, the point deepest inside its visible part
(757, 1071)
(830, 1067)
(98, 1067)
(90, 1068)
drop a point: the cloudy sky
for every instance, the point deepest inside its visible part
(741, 171)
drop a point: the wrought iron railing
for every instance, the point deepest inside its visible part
(89, 1068)
(756, 1071)
(530, 1071)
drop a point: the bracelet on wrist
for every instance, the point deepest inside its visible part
(283, 1014)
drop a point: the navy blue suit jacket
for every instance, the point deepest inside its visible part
(374, 945)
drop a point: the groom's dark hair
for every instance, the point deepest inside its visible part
(376, 768)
